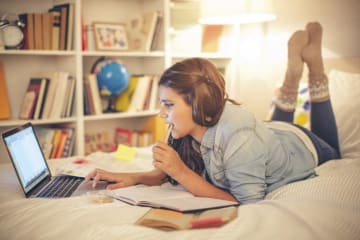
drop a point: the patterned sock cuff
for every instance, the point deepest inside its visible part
(318, 88)
(286, 102)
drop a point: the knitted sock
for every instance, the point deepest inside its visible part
(318, 81)
(286, 99)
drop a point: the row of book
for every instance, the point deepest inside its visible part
(101, 141)
(133, 138)
(49, 97)
(56, 142)
(51, 30)
(140, 95)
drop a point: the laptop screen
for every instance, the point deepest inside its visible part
(27, 156)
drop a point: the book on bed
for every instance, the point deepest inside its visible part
(168, 197)
(169, 220)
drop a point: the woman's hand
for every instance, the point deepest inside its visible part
(116, 180)
(168, 160)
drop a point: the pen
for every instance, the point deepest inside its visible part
(169, 129)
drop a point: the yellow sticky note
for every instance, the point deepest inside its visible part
(124, 152)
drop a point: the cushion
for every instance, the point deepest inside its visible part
(345, 97)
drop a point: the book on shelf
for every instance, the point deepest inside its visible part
(38, 31)
(45, 136)
(155, 42)
(168, 197)
(4, 98)
(141, 93)
(59, 94)
(141, 30)
(69, 97)
(60, 142)
(154, 90)
(41, 98)
(169, 220)
(30, 99)
(55, 28)
(93, 94)
(70, 26)
(46, 30)
(66, 12)
(69, 144)
(52, 88)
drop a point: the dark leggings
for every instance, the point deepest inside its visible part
(323, 132)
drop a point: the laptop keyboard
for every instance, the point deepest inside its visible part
(61, 186)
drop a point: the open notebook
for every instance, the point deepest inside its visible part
(33, 171)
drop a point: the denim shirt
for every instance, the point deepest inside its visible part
(245, 157)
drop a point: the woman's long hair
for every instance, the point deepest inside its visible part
(202, 87)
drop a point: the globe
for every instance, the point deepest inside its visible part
(112, 77)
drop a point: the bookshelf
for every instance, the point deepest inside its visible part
(21, 65)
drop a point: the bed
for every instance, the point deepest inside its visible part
(324, 207)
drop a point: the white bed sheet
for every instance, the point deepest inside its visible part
(325, 207)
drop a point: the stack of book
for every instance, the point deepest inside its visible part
(56, 142)
(48, 97)
(52, 30)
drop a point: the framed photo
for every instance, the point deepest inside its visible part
(110, 36)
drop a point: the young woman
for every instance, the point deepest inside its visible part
(217, 149)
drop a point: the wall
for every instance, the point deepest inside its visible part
(261, 62)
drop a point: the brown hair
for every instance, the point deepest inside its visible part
(203, 87)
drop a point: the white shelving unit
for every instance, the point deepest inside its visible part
(21, 65)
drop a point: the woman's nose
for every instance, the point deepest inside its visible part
(163, 113)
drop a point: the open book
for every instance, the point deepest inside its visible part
(171, 220)
(166, 196)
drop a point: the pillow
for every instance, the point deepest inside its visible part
(345, 98)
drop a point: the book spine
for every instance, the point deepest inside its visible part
(38, 31)
(30, 30)
(95, 95)
(55, 29)
(4, 99)
(41, 98)
(30, 99)
(46, 30)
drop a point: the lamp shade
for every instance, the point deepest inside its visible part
(235, 11)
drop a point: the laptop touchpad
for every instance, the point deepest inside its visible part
(87, 187)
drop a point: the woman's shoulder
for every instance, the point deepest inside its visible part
(235, 116)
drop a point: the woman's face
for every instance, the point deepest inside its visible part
(175, 111)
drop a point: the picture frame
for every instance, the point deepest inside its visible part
(110, 36)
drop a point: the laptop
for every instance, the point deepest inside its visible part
(33, 171)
